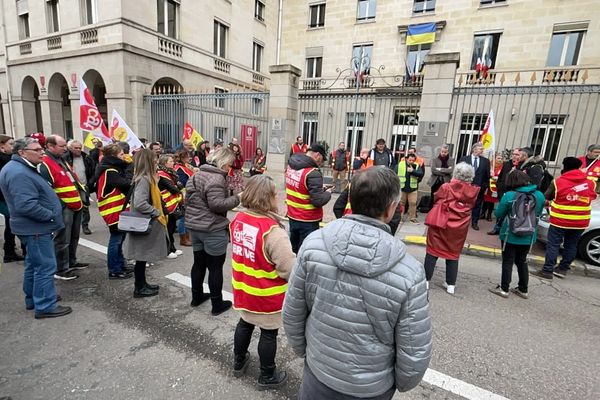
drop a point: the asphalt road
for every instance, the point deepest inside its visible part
(114, 346)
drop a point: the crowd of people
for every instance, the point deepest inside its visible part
(347, 294)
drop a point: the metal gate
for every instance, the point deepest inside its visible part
(216, 116)
(553, 111)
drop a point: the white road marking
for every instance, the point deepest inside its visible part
(431, 377)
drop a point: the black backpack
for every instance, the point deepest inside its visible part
(522, 220)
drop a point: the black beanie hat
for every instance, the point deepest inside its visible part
(571, 163)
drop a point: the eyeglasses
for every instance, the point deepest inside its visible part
(40, 150)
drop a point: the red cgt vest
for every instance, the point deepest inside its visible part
(256, 286)
(66, 190)
(572, 205)
(593, 172)
(299, 207)
(171, 199)
(186, 170)
(110, 204)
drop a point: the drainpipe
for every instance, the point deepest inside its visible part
(279, 18)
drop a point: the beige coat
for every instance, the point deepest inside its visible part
(279, 250)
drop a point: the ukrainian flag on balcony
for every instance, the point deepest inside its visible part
(421, 34)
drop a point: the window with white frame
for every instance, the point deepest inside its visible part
(168, 11)
(489, 2)
(89, 12)
(23, 16)
(350, 130)
(220, 133)
(565, 48)
(313, 67)
(471, 127)
(404, 128)
(220, 39)
(415, 56)
(52, 16)
(366, 9)
(310, 127)
(259, 10)
(257, 55)
(423, 6)
(220, 97)
(485, 50)
(316, 15)
(547, 132)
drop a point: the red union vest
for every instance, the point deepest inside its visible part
(171, 199)
(299, 207)
(593, 172)
(571, 207)
(110, 204)
(299, 149)
(186, 170)
(256, 286)
(64, 188)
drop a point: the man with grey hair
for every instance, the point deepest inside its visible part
(35, 213)
(70, 192)
(481, 179)
(356, 305)
(84, 167)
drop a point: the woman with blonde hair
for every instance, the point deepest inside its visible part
(170, 191)
(146, 199)
(262, 260)
(207, 203)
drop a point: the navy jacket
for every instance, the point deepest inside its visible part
(34, 207)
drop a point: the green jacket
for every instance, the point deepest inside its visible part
(409, 181)
(504, 208)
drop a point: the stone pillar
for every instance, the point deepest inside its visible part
(5, 122)
(25, 116)
(139, 120)
(74, 99)
(46, 115)
(439, 73)
(283, 113)
(122, 103)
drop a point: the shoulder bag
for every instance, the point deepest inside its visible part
(133, 222)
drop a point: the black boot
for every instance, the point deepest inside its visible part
(241, 364)
(219, 306)
(199, 298)
(271, 378)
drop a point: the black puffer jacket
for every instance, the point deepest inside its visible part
(114, 179)
(314, 180)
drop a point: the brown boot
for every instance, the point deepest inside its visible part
(184, 240)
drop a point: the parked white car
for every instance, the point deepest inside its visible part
(588, 247)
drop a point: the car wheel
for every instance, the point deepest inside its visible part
(589, 247)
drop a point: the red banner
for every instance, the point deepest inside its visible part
(248, 141)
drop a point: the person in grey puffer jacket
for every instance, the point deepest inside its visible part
(357, 305)
(207, 202)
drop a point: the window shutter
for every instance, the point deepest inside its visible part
(22, 7)
(314, 52)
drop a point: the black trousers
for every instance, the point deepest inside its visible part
(214, 264)
(139, 273)
(299, 230)
(514, 254)
(476, 212)
(171, 226)
(451, 269)
(267, 344)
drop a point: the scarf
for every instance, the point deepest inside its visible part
(444, 161)
(157, 202)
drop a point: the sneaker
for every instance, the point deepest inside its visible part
(131, 262)
(172, 256)
(58, 311)
(518, 292)
(86, 230)
(65, 275)
(149, 264)
(128, 270)
(119, 275)
(241, 365)
(449, 288)
(498, 291)
(494, 232)
(178, 252)
(79, 266)
(414, 221)
(559, 273)
(542, 274)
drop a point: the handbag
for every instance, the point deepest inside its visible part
(438, 215)
(133, 222)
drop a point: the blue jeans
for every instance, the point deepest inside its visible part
(181, 226)
(38, 276)
(299, 230)
(568, 238)
(114, 254)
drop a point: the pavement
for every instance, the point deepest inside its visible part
(114, 346)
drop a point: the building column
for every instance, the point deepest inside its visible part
(439, 73)
(74, 98)
(46, 114)
(283, 111)
(5, 127)
(25, 116)
(140, 121)
(122, 103)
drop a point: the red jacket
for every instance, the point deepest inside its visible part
(448, 243)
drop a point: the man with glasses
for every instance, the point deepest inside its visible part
(35, 214)
(70, 191)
